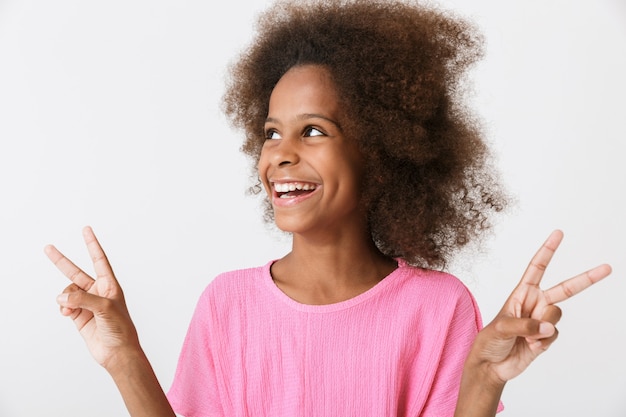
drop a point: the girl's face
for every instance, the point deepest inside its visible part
(310, 170)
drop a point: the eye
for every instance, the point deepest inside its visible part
(271, 134)
(311, 131)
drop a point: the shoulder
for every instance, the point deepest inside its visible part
(239, 276)
(433, 282)
(231, 298)
(236, 282)
(442, 300)
(440, 293)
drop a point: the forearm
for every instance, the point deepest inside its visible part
(479, 394)
(139, 386)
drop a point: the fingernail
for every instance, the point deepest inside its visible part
(545, 328)
(62, 298)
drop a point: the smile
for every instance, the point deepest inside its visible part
(293, 189)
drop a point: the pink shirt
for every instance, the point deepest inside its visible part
(396, 350)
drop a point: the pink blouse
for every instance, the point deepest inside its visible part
(395, 350)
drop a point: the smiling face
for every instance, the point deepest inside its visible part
(310, 170)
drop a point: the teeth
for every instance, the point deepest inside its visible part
(293, 186)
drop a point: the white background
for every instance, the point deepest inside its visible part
(109, 116)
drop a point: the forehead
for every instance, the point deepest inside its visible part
(305, 88)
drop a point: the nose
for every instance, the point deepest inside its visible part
(285, 152)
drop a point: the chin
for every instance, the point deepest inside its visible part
(290, 224)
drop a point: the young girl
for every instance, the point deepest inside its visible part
(354, 118)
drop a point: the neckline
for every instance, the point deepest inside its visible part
(342, 305)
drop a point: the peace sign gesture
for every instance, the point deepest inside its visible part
(99, 312)
(521, 331)
(524, 327)
(96, 306)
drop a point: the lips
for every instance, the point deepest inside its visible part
(293, 189)
(288, 193)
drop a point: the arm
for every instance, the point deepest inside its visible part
(522, 330)
(99, 311)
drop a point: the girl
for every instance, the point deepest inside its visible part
(354, 119)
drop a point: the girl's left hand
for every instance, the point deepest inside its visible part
(525, 326)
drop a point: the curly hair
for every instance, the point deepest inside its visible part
(399, 68)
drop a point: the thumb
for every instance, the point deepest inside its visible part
(81, 299)
(511, 327)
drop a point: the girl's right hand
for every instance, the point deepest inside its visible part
(96, 306)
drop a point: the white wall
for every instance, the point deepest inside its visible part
(109, 116)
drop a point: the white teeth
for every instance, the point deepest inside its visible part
(293, 186)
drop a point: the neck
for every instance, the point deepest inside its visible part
(330, 270)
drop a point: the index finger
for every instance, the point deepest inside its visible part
(68, 268)
(573, 286)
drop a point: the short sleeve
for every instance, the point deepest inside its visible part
(465, 324)
(194, 391)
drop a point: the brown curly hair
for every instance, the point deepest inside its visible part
(399, 68)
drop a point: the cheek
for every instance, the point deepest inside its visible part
(354, 166)
(347, 175)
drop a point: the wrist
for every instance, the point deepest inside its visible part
(480, 391)
(126, 360)
(481, 370)
(140, 388)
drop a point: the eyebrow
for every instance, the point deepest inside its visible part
(306, 116)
